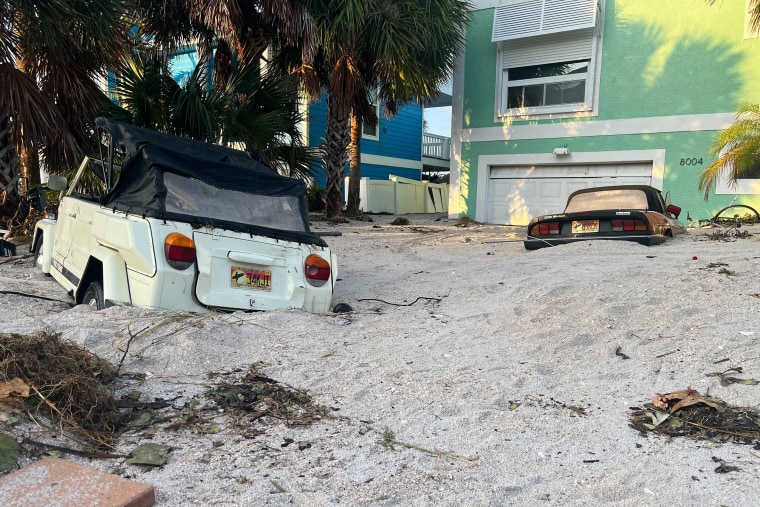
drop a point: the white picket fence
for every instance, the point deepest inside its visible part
(401, 196)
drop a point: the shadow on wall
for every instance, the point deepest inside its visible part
(662, 69)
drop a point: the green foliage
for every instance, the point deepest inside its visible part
(316, 198)
(253, 109)
(50, 53)
(737, 149)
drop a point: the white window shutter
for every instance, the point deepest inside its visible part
(529, 18)
(521, 19)
(553, 48)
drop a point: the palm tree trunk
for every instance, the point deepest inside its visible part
(336, 144)
(30, 167)
(10, 170)
(355, 174)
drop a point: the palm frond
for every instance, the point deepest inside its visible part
(737, 149)
(142, 87)
(37, 116)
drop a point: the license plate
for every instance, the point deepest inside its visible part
(585, 226)
(246, 278)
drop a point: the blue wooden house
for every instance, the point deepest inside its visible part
(393, 147)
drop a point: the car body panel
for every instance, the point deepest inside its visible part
(266, 276)
(45, 227)
(129, 235)
(642, 216)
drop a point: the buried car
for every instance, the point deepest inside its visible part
(627, 212)
(173, 223)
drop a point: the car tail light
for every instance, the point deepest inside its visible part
(629, 225)
(317, 270)
(179, 251)
(545, 229)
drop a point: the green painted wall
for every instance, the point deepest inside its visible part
(659, 58)
(680, 180)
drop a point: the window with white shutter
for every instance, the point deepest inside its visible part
(547, 55)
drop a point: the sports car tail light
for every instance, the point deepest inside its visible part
(545, 229)
(179, 251)
(629, 225)
(317, 270)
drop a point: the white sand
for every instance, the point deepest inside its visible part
(489, 369)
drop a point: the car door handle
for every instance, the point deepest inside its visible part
(73, 215)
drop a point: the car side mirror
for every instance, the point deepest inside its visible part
(56, 183)
(673, 210)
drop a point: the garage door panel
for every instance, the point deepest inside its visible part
(518, 193)
(551, 190)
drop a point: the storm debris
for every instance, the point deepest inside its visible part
(258, 396)
(730, 234)
(50, 379)
(689, 414)
(67, 384)
(727, 380)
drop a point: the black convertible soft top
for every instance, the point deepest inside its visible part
(149, 154)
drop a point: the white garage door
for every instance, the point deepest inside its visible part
(517, 193)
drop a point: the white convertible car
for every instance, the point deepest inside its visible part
(168, 222)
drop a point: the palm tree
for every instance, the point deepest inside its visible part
(50, 53)
(737, 150)
(396, 50)
(234, 30)
(251, 107)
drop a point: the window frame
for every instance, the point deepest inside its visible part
(589, 107)
(376, 135)
(546, 109)
(746, 186)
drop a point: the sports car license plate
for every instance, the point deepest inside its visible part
(585, 226)
(245, 278)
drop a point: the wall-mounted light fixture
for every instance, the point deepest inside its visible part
(562, 151)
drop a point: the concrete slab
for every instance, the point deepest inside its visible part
(54, 481)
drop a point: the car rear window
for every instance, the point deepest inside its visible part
(608, 199)
(193, 197)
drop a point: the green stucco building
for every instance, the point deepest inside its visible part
(555, 95)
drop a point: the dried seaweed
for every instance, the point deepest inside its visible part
(730, 234)
(258, 396)
(719, 423)
(69, 385)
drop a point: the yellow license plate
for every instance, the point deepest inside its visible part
(246, 278)
(584, 226)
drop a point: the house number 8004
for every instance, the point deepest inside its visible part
(691, 161)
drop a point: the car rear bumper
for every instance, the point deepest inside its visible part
(648, 240)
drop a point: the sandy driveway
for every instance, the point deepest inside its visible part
(470, 372)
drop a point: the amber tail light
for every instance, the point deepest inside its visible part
(317, 270)
(179, 251)
(545, 229)
(629, 225)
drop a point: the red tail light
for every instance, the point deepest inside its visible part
(629, 225)
(179, 251)
(317, 270)
(545, 229)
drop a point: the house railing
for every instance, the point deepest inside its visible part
(435, 146)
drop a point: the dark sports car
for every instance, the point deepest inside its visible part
(627, 212)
